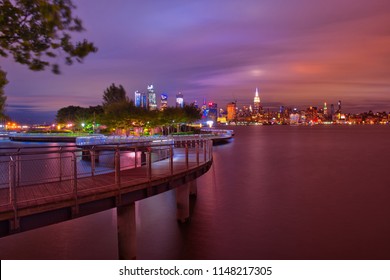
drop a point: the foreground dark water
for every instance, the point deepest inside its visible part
(275, 192)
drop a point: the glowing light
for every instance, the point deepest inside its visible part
(210, 123)
(257, 98)
(256, 72)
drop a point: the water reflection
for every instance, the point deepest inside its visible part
(272, 193)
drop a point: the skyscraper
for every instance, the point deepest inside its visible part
(204, 109)
(152, 98)
(144, 101)
(179, 100)
(212, 112)
(338, 113)
(231, 112)
(137, 98)
(141, 99)
(325, 110)
(256, 102)
(164, 102)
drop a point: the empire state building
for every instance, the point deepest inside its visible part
(256, 102)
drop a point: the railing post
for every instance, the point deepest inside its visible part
(149, 162)
(12, 182)
(75, 191)
(14, 224)
(171, 159)
(210, 149)
(135, 157)
(92, 152)
(197, 151)
(18, 169)
(204, 150)
(60, 151)
(117, 162)
(186, 146)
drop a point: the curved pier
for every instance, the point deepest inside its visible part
(62, 185)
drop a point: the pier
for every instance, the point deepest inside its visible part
(43, 187)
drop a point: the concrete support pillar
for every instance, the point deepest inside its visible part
(183, 203)
(193, 187)
(127, 237)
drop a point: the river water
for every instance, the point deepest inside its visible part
(273, 192)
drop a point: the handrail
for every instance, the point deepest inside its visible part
(18, 150)
(64, 170)
(109, 140)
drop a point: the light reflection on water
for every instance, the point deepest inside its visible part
(272, 193)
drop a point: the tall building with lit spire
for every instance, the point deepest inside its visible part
(325, 110)
(256, 102)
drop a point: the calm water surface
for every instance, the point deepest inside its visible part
(273, 192)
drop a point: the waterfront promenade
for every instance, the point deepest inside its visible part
(38, 188)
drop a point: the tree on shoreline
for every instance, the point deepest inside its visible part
(34, 32)
(3, 98)
(114, 94)
(122, 115)
(77, 115)
(126, 116)
(119, 112)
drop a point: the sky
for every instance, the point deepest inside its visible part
(298, 53)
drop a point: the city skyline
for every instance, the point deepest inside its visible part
(298, 53)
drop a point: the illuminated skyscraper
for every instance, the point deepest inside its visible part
(325, 110)
(144, 101)
(231, 112)
(256, 102)
(204, 104)
(137, 98)
(179, 100)
(152, 98)
(212, 112)
(164, 101)
(140, 99)
(204, 110)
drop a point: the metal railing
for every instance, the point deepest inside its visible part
(109, 140)
(34, 176)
